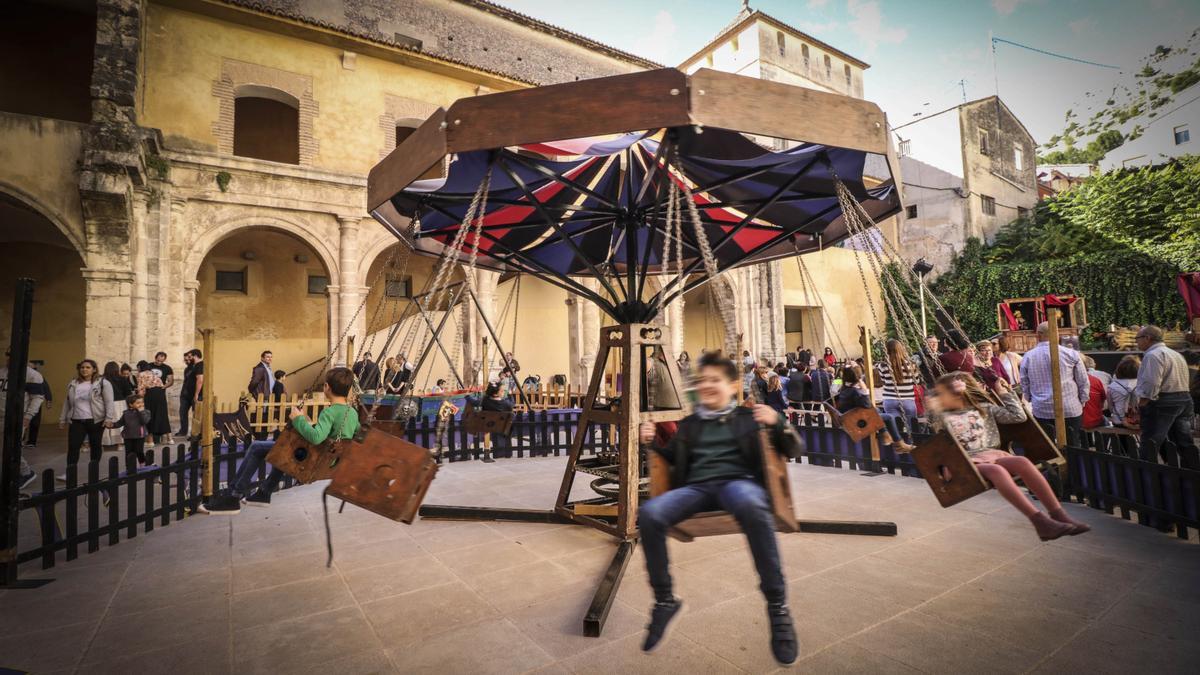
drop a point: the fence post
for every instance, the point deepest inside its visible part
(206, 421)
(14, 427)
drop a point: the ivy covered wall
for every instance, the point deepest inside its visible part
(1118, 240)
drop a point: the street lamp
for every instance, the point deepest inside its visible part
(921, 268)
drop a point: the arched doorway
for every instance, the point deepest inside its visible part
(262, 288)
(31, 245)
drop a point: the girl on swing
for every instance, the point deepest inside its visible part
(959, 404)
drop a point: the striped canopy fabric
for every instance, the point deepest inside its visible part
(598, 207)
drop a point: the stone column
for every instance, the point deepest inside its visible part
(486, 282)
(350, 290)
(335, 331)
(174, 308)
(772, 311)
(187, 324)
(589, 337)
(107, 313)
(139, 324)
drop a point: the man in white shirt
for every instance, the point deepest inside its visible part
(1165, 402)
(32, 404)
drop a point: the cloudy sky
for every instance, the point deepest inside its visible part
(919, 51)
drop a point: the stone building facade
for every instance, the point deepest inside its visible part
(173, 165)
(972, 172)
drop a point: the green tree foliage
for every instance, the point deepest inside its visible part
(1118, 240)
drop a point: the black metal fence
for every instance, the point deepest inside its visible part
(1161, 496)
(100, 504)
(534, 434)
(96, 507)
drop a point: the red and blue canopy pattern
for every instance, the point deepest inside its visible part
(597, 208)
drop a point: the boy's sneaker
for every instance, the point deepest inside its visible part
(221, 505)
(784, 645)
(660, 623)
(26, 479)
(258, 498)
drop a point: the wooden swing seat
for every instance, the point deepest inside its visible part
(478, 421)
(943, 451)
(859, 424)
(714, 523)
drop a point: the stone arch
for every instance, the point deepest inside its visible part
(35, 242)
(376, 248)
(315, 240)
(77, 238)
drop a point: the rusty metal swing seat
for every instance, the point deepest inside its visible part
(374, 470)
(573, 183)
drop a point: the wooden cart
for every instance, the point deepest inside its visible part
(1019, 323)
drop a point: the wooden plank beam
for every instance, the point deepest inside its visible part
(780, 110)
(421, 151)
(606, 105)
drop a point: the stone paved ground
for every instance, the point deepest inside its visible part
(964, 590)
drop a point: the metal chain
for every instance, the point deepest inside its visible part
(724, 301)
(807, 279)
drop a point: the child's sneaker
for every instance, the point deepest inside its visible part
(660, 623)
(258, 498)
(221, 505)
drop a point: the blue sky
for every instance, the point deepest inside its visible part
(918, 51)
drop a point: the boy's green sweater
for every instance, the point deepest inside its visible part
(338, 420)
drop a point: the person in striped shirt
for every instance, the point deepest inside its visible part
(898, 374)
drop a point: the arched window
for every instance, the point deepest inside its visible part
(266, 124)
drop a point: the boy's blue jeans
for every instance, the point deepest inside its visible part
(256, 454)
(743, 498)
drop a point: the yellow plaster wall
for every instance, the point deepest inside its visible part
(184, 53)
(541, 346)
(276, 313)
(41, 163)
(838, 283)
(57, 334)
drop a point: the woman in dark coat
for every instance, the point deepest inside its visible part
(155, 396)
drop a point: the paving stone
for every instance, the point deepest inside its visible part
(493, 646)
(845, 658)
(404, 619)
(46, 650)
(289, 601)
(935, 646)
(404, 576)
(1119, 650)
(678, 655)
(286, 646)
(158, 628)
(200, 655)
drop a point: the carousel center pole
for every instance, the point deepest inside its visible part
(1060, 420)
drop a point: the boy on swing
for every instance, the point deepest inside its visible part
(716, 464)
(339, 421)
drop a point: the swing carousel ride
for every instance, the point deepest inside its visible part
(621, 180)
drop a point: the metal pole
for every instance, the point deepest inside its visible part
(496, 340)
(864, 336)
(206, 418)
(1060, 420)
(14, 421)
(921, 283)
